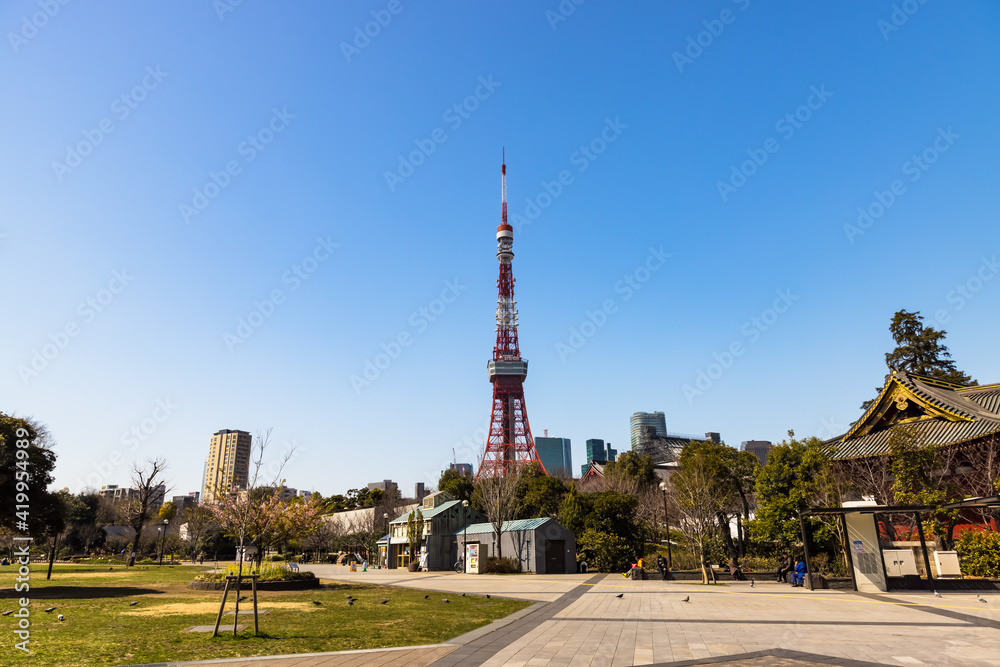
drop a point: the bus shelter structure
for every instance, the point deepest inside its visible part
(864, 550)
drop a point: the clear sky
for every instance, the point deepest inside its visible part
(170, 168)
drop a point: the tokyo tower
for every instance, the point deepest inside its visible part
(510, 443)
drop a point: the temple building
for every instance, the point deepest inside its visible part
(963, 422)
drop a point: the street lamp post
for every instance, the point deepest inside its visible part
(666, 521)
(388, 539)
(163, 534)
(465, 535)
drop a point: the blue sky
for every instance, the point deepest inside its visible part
(257, 140)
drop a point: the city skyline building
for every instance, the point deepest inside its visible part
(759, 448)
(657, 420)
(461, 468)
(556, 455)
(228, 462)
(600, 452)
(385, 486)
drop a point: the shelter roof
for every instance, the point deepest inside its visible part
(508, 526)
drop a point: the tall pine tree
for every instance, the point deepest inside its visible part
(920, 350)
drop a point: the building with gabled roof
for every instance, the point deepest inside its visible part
(442, 516)
(542, 546)
(941, 413)
(961, 422)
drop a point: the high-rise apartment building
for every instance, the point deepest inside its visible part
(555, 455)
(639, 419)
(228, 462)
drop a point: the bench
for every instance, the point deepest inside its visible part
(294, 567)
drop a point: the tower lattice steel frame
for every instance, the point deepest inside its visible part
(509, 444)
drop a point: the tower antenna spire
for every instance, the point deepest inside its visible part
(503, 185)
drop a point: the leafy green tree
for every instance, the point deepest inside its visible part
(168, 510)
(920, 350)
(576, 507)
(798, 475)
(611, 530)
(455, 484)
(26, 465)
(631, 468)
(919, 472)
(415, 533)
(543, 497)
(539, 495)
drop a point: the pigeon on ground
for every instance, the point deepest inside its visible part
(348, 596)
(132, 604)
(426, 596)
(981, 598)
(619, 595)
(8, 613)
(350, 602)
(447, 600)
(110, 568)
(487, 596)
(50, 610)
(463, 595)
(318, 604)
(384, 602)
(936, 594)
(687, 599)
(61, 617)
(241, 598)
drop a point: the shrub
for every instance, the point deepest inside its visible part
(267, 571)
(275, 558)
(494, 565)
(611, 553)
(979, 554)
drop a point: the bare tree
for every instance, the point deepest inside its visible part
(250, 514)
(137, 510)
(498, 498)
(701, 497)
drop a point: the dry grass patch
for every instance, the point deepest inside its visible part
(184, 608)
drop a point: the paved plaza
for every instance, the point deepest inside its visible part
(580, 620)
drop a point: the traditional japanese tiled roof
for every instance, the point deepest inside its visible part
(942, 413)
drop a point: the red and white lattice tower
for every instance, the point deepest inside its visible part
(510, 443)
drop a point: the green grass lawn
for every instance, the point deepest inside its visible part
(101, 628)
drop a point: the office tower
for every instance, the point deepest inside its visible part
(759, 448)
(555, 455)
(639, 419)
(461, 468)
(228, 463)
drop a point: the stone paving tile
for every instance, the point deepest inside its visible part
(584, 624)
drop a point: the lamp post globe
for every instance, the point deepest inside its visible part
(465, 534)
